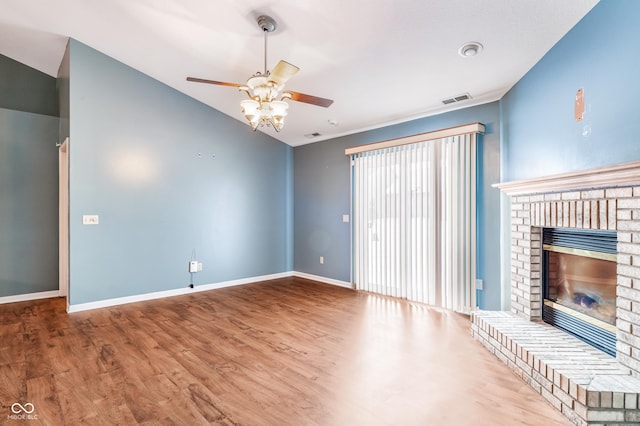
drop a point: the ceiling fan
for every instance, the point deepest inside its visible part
(263, 88)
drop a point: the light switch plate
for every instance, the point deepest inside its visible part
(345, 218)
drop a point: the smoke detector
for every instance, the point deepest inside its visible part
(467, 50)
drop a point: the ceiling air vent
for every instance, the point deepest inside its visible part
(455, 99)
(312, 135)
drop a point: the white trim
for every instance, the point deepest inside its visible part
(29, 296)
(322, 279)
(624, 174)
(170, 293)
(63, 218)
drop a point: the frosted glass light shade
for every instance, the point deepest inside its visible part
(279, 108)
(250, 107)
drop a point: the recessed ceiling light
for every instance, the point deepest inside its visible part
(470, 49)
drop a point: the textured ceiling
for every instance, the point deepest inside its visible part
(382, 62)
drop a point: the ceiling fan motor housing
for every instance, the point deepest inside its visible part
(267, 23)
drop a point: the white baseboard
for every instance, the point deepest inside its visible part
(169, 293)
(322, 279)
(29, 296)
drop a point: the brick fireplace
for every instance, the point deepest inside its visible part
(587, 385)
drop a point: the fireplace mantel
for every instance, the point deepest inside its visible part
(619, 175)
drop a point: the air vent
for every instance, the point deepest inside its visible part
(312, 135)
(459, 98)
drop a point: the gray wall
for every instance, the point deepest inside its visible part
(28, 203)
(142, 158)
(321, 197)
(28, 180)
(23, 88)
(62, 84)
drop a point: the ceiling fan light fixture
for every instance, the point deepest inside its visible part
(262, 109)
(263, 88)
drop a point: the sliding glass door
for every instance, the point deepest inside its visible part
(414, 221)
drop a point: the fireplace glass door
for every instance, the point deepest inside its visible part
(583, 284)
(579, 284)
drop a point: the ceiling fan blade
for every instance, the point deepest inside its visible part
(309, 99)
(220, 83)
(283, 72)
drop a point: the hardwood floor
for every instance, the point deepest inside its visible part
(282, 352)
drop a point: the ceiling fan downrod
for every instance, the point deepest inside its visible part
(268, 25)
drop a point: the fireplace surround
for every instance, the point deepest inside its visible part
(587, 385)
(606, 198)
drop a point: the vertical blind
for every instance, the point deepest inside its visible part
(414, 210)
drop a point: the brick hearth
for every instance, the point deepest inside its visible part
(588, 386)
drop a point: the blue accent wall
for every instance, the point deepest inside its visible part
(599, 55)
(169, 177)
(322, 196)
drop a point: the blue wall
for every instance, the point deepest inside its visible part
(142, 158)
(322, 193)
(599, 54)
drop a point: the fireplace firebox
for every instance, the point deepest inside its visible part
(579, 284)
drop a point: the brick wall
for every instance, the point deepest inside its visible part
(613, 209)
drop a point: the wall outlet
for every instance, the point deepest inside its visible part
(479, 284)
(199, 266)
(322, 260)
(345, 218)
(90, 219)
(193, 266)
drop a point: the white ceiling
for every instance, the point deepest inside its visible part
(382, 62)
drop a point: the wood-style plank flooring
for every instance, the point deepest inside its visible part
(282, 352)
